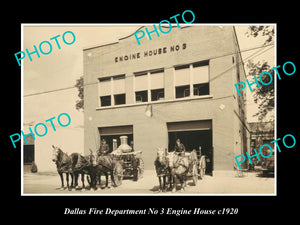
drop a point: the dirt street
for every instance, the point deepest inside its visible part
(221, 183)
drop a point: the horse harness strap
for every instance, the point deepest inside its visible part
(64, 163)
(105, 161)
(80, 164)
(162, 169)
(180, 162)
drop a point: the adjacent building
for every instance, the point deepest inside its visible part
(261, 133)
(28, 153)
(40, 150)
(177, 85)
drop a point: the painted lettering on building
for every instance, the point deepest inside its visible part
(151, 53)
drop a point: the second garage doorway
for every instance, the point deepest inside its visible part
(193, 134)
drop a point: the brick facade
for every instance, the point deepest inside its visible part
(195, 44)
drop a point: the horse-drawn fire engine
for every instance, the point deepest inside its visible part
(131, 161)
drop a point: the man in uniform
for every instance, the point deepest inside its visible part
(104, 148)
(102, 155)
(179, 148)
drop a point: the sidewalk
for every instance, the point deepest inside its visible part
(221, 183)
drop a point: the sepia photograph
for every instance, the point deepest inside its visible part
(148, 109)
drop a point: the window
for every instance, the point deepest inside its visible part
(157, 79)
(201, 78)
(182, 91)
(141, 87)
(105, 100)
(141, 81)
(28, 154)
(119, 84)
(149, 85)
(141, 96)
(120, 99)
(201, 72)
(157, 95)
(104, 86)
(157, 85)
(112, 90)
(195, 76)
(201, 89)
(182, 81)
(182, 75)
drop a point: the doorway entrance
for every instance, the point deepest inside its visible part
(193, 135)
(110, 133)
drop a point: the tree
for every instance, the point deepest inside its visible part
(256, 31)
(80, 103)
(263, 96)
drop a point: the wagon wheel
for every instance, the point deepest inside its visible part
(140, 168)
(202, 167)
(118, 173)
(195, 174)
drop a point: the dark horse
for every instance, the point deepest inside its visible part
(81, 165)
(162, 168)
(63, 164)
(95, 168)
(87, 165)
(106, 165)
(72, 165)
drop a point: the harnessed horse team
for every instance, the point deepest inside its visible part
(169, 167)
(76, 164)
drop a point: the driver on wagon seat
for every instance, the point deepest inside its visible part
(104, 149)
(102, 155)
(179, 148)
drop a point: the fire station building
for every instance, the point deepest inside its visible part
(178, 85)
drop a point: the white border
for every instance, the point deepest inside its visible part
(275, 109)
(145, 24)
(22, 113)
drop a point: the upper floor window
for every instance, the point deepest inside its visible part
(112, 90)
(149, 86)
(192, 79)
(119, 90)
(201, 78)
(141, 87)
(157, 85)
